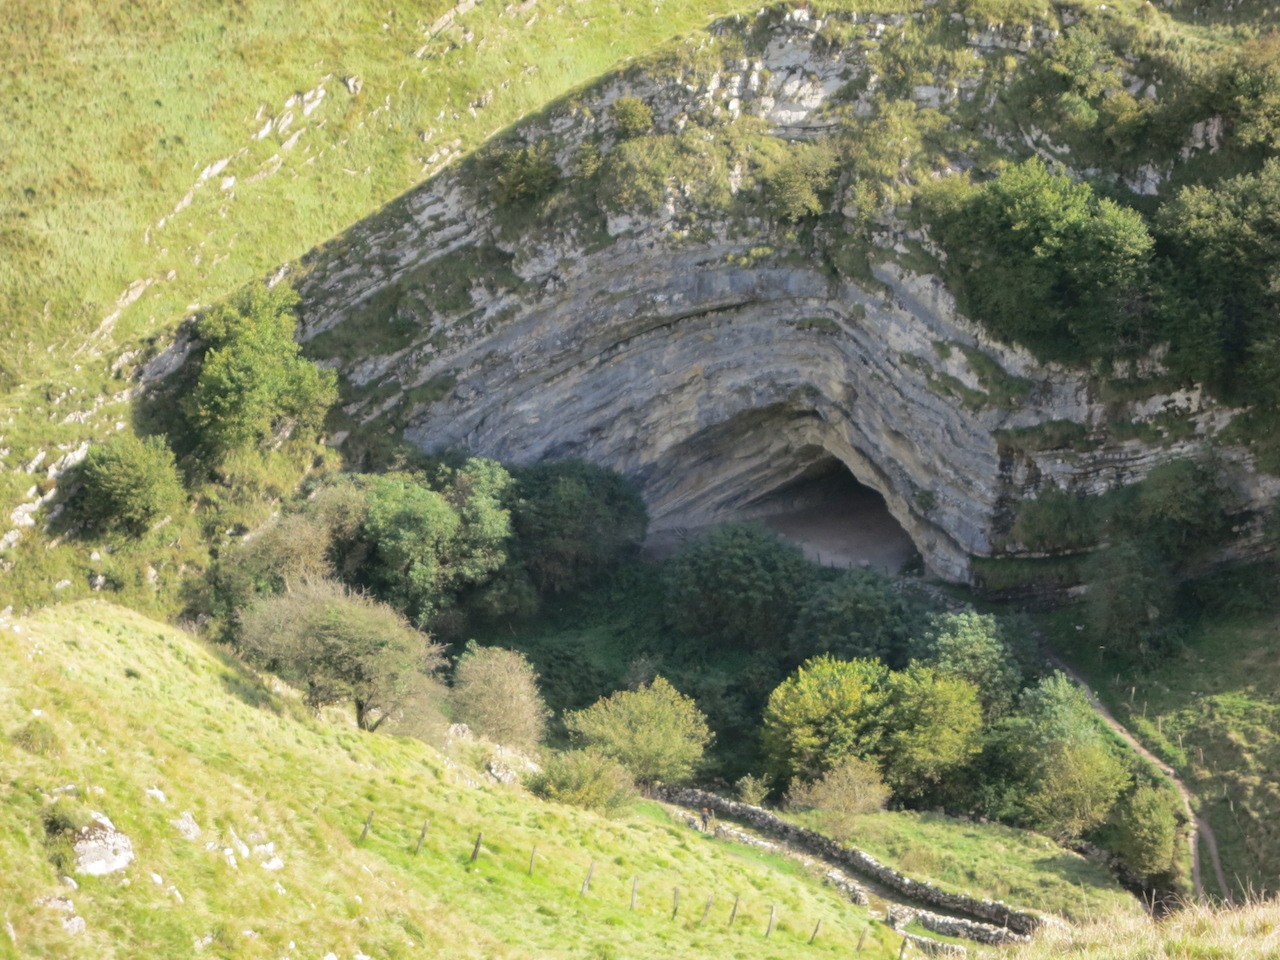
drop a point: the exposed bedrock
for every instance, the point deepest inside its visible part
(713, 365)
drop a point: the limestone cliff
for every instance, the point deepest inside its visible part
(712, 352)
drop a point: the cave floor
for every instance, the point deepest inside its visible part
(840, 524)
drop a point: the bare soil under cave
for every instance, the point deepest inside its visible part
(837, 521)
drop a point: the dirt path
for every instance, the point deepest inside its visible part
(1200, 828)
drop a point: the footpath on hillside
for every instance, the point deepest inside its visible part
(1200, 828)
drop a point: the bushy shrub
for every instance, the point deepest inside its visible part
(129, 483)
(37, 736)
(523, 175)
(1130, 600)
(656, 732)
(740, 585)
(585, 778)
(827, 710)
(340, 646)
(1076, 785)
(1055, 520)
(631, 116)
(858, 614)
(573, 522)
(495, 692)
(1147, 832)
(753, 790)
(794, 182)
(849, 789)
(253, 384)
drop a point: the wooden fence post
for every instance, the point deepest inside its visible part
(586, 881)
(475, 851)
(532, 853)
(733, 914)
(675, 902)
(421, 836)
(635, 881)
(365, 832)
(816, 927)
(902, 950)
(706, 910)
(773, 914)
(862, 939)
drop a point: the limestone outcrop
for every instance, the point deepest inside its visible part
(711, 358)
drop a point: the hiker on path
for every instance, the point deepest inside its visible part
(706, 819)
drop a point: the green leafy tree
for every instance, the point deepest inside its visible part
(1180, 510)
(1147, 829)
(632, 116)
(585, 778)
(933, 727)
(430, 544)
(740, 585)
(655, 731)
(253, 384)
(129, 484)
(340, 646)
(574, 521)
(1061, 775)
(1044, 261)
(495, 692)
(972, 647)
(827, 710)
(858, 614)
(1221, 286)
(1130, 600)
(1076, 785)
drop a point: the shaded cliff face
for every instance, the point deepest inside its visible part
(702, 346)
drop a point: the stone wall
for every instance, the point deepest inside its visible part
(1003, 923)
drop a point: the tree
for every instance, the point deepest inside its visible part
(933, 726)
(1043, 261)
(631, 116)
(1148, 832)
(253, 384)
(740, 585)
(858, 614)
(849, 789)
(1180, 510)
(574, 521)
(1063, 777)
(827, 710)
(129, 483)
(585, 778)
(1130, 600)
(340, 646)
(1076, 784)
(523, 175)
(655, 731)
(971, 646)
(495, 692)
(428, 545)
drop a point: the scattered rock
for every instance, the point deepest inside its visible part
(187, 826)
(353, 84)
(101, 849)
(155, 793)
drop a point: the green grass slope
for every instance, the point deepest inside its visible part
(1212, 711)
(136, 706)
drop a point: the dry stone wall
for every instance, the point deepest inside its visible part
(1002, 923)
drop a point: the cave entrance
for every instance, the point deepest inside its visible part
(836, 520)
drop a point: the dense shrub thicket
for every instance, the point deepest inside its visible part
(252, 383)
(495, 692)
(129, 483)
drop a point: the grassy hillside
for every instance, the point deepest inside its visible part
(1211, 712)
(137, 707)
(1196, 933)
